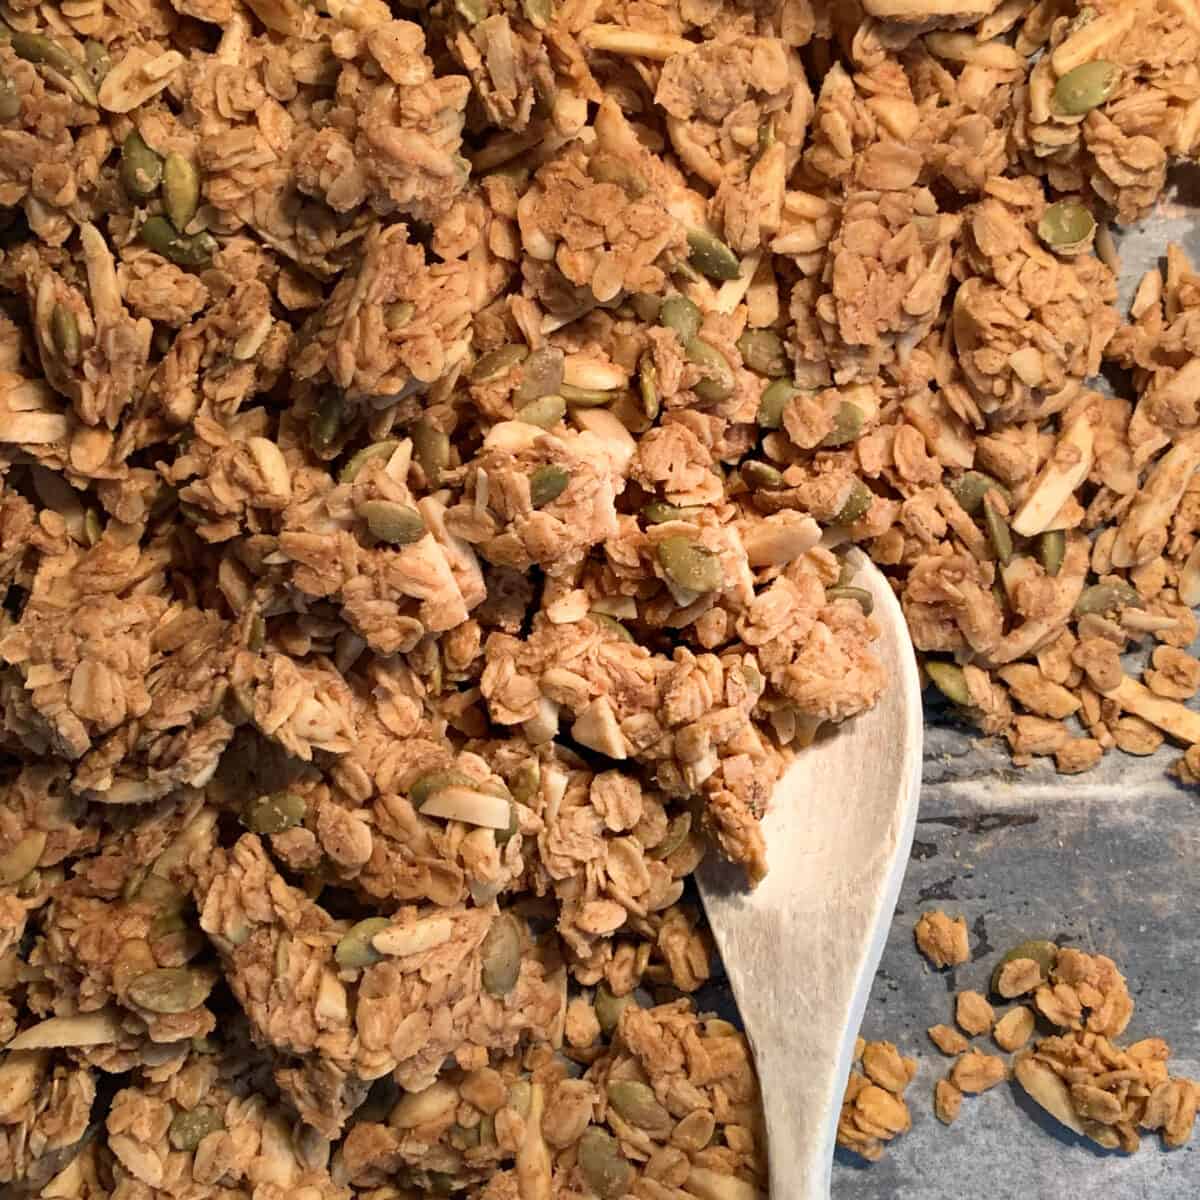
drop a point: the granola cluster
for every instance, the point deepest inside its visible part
(428, 440)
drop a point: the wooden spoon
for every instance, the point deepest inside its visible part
(801, 949)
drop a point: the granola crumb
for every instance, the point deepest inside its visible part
(873, 1110)
(942, 939)
(948, 1040)
(975, 1016)
(947, 1101)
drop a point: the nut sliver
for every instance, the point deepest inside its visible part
(463, 804)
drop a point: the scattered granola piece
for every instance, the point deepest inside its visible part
(948, 1040)
(942, 939)
(873, 1108)
(1014, 1029)
(976, 1072)
(947, 1101)
(975, 1016)
(1018, 977)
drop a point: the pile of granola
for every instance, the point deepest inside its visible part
(427, 440)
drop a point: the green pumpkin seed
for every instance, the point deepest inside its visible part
(166, 925)
(431, 448)
(648, 387)
(847, 425)
(602, 1164)
(394, 523)
(1103, 598)
(463, 1137)
(382, 450)
(762, 351)
(501, 956)
(194, 250)
(860, 596)
(181, 190)
(637, 1104)
(611, 625)
(608, 1008)
(141, 167)
(676, 835)
(520, 1097)
(98, 61)
(857, 504)
(761, 475)
(541, 375)
(581, 397)
(471, 11)
(274, 813)
(498, 362)
(1086, 87)
(604, 167)
(1044, 953)
(949, 679)
(43, 51)
(546, 484)
(647, 307)
(681, 316)
(717, 383)
(93, 531)
(1066, 226)
(971, 487)
(189, 1129)
(170, 990)
(398, 314)
(659, 512)
(160, 893)
(326, 421)
(527, 781)
(64, 333)
(17, 862)
(10, 99)
(999, 533)
(537, 12)
(545, 412)
(690, 565)
(1052, 546)
(775, 398)
(710, 256)
(433, 782)
(355, 949)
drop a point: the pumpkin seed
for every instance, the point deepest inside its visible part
(608, 1008)
(717, 383)
(17, 862)
(860, 596)
(520, 1097)
(761, 475)
(498, 362)
(604, 167)
(690, 565)
(141, 167)
(1086, 87)
(545, 412)
(1066, 226)
(676, 835)
(98, 61)
(542, 375)
(775, 399)
(396, 524)
(355, 948)
(10, 99)
(471, 11)
(433, 782)
(999, 533)
(397, 314)
(181, 190)
(350, 472)
(326, 420)
(194, 250)
(43, 51)
(647, 307)
(971, 487)
(637, 1104)
(604, 1168)
(188, 1129)
(581, 397)
(93, 531)
(1044, 953)
(659, 512)
(681, 316)
(526, 781)
(950, 681)
(464, 1137)
(64, 333)
(537, 12)
(170, 990)
(501, 955)
(762, 351)
(274, 813)
(856, 505)
(611, 625)
(546, 484)
(1052, 546)
(847, 425)
(648, 387)
(710, 256)
(1103, 598)
(431, 448)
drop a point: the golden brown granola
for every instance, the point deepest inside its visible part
(942, 939)
(873, 1108)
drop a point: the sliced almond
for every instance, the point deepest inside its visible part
(88, 1029)
(1067, 469)
(1044, 1086)
(399, 941)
